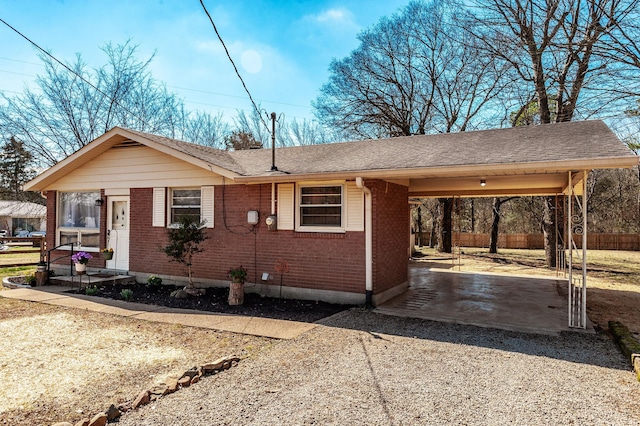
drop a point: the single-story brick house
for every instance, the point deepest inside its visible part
(337, 214)
(17, 217)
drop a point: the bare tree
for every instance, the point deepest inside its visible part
(204, 129)
(307, 132)
(580, 57)
(253, 124)
(413, 73)
(65, 113)
(239, 140)
(495, 224)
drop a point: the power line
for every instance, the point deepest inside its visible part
(17, 60)
(115, 101)
(236, 96)
(18, 73)
(170, 86)
(234, 66)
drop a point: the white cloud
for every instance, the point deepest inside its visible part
(334, 16)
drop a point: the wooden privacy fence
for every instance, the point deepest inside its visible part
(536, 241)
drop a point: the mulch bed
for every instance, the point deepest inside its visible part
(216, 300)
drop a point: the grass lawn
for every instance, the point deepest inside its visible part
(19, 255)
(9, 259)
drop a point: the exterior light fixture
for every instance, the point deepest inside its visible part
(483, 182)
(99, 202)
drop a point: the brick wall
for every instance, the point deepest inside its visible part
(390, 234)
(316, 260)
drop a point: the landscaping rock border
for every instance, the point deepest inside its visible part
(628, 344)
(171, 385)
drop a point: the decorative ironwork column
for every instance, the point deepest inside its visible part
(576, 228)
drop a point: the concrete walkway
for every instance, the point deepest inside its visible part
(507, 302)
(265, 327)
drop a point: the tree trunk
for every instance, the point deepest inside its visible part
(432, 234)
(444, 236)
(419, 233)
(549, 230)
(493, 244)
(473, 215)
(236, 293)
(495, 228)
(190, 284)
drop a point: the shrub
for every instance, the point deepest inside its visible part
(126, 294)
(31, 280)
(154, 281)
(91, 291)
(184, 243)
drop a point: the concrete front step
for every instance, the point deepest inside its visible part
(91, 279)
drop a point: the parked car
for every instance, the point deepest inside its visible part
(3, 233)
(22, 233)
(38, 233)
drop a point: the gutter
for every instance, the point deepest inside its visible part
(460, 170)
(368, 242)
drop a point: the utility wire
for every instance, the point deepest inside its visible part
(115, 101)
(234, 66)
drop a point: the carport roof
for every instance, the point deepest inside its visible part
(531, 160)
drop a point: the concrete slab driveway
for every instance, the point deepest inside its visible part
(506, 302)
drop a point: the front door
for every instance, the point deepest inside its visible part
(118, 232)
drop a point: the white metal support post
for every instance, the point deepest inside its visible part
(577, 224)
(569, 251)
(585, 176)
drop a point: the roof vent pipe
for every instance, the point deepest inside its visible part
(273, 142)
(368, 242)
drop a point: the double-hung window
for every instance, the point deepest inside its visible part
(79, 219)
(321, 206)
(186, 203)
(172, 204)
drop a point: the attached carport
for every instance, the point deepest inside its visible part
(547, 160)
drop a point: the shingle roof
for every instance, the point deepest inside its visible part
(22, 209)
(580, 140)
(552, 142)
(211, 155)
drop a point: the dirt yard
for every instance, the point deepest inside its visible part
(59, 364)
(64, 364)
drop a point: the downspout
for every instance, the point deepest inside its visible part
(273, 198)
(368, 242)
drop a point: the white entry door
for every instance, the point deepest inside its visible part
(118, 232)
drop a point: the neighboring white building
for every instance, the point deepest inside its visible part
(16, 216)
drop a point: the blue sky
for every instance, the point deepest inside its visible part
(282, 48)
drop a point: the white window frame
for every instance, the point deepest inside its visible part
(171, 206)
(313, 228)
(80, 231)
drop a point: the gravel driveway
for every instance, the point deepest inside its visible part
(365, 368)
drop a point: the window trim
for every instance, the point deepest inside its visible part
(172, 224)
(78, 230)
(298, 208)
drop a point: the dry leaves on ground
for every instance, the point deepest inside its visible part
(61, 364)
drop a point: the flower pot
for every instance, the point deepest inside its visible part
(81, 268)
(236, 293)
(107, 255)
